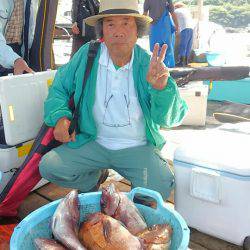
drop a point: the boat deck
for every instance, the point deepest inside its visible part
(199, 241)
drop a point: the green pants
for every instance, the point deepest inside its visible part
(80, 168)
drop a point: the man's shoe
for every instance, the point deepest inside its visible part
(181, 62)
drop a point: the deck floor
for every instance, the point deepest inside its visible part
(199, 241)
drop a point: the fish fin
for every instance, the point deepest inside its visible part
(107, 230)
(50, 224)
(143, 243)
(53, 222)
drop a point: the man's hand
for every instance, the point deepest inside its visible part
(21, 66)
(75, 29)
(61, 132)
(158, 72)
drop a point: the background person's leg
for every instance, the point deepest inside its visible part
(183, 48)
(144, 168)
(74, 168)
(189, 43)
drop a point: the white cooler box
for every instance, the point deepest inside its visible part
(11, 157)
(21, 102)
(213, 182)
(195, 94)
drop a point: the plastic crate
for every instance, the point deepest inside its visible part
(215, 59)
(37, 224)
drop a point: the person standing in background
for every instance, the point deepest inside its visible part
(164, 26)
(17, 27)
(82, 33)
(186, 25)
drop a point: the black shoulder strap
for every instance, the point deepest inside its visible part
(93, 49)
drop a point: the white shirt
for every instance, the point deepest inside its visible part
(184, 18)
(117, 112)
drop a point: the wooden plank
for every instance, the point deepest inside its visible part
(53, 192)
(210, 242)
(195, 246)
(31, 203)
(125, 181)
(171, 197)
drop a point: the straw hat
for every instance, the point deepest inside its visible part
(118, 8)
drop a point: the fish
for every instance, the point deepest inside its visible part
(65, 222)
(47, 244)
(102, 232)
(120, 207)
(157, 237)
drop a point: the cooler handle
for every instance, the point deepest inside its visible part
(205, 184)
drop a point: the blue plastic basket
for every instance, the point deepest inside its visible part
(37, 224)
(215, 59)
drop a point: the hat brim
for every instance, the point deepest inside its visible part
(93, 19)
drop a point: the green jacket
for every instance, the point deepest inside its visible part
(160, 107)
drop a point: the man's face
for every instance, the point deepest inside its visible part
(120, 34)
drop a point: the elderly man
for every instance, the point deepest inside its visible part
(128, 96)
(17, 26)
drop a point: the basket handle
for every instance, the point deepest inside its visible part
(150, 193)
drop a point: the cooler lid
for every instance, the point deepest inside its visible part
(225, 149)
(194, 89)
(21, 100)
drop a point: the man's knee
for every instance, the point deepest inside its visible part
(48, 165)
(161, 177)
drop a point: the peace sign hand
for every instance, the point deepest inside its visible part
(158, 72)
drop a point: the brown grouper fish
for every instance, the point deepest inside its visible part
(65, 222)
(102, 232)
(47, 244)
(120, 207)
(157, 237)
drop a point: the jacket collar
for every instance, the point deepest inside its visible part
(105, 59)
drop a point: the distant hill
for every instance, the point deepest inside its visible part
(228, 13)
